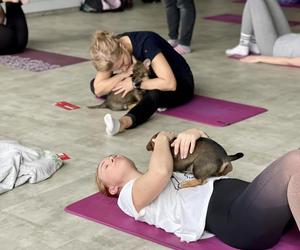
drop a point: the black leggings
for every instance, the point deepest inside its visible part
(13, 35)
(254, 215)
(154, 99)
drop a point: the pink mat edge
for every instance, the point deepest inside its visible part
(236, 57)
(169, 245)
(147, 237)
(260, 110)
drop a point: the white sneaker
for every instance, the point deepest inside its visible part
(254, 49)
(238, 51)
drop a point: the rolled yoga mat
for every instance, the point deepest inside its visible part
(214, 111)
(104, 210)
(37, 60)
(237, 19)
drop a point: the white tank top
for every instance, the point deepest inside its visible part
(178, 211)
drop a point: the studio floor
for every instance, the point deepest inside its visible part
(32, 216)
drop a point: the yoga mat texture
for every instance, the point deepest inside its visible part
(37, 60)
(237, 19)
(213, 111)
(284, 5)
(104, 210)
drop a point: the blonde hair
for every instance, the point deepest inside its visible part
(105, 49)
(101, 186)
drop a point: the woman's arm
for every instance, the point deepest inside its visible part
(152, 183)
(104, 82)
(289, 61)
(165, 80)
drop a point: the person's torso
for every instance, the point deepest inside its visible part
(179, 211)
(147, 44)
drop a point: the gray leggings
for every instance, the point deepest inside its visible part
(266, 20)
(180, 13)
(255, 215)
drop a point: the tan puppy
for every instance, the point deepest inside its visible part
(208, 159)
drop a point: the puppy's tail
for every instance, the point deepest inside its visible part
(235, 157)
(100, 106)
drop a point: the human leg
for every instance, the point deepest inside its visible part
(6, 40)
(149, 104)
(16, 21)
(155, 99)
(280, 21)
(257, 216)
(173, 17)
(257, 20)
(187, 21)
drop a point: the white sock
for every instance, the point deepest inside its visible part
(173, 42)
(112, 125)
(253, 46)
(242, 49)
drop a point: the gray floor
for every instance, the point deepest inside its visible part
(32, 216)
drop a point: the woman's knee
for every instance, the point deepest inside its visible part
(153, 96)
(292, 161)
(169, 3)
(185, 4)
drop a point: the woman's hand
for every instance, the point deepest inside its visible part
(186, 141)
(123, 87)
(251, 59)
(170, 135)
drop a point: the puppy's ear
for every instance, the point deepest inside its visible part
(147, 63)
(150, 145)
(225, 169)
(134, 60)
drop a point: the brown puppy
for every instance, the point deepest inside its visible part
(208, 159)
(117, 102)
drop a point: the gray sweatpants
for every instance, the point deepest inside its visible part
(266, 20)
(180, 14)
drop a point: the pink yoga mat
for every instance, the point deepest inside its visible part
(231, 18)
(37, 60)
(291, 5)
(104, 210)
(213, 111)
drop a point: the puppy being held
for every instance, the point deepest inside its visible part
(208, 159)
(116, 102)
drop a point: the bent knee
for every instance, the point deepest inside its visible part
(292, 160)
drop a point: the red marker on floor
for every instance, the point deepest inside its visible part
(66, 105)
(63, 156)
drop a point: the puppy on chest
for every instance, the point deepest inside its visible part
(208, 159)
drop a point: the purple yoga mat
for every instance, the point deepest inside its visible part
(104, 210)
(213, 111)
(231, 18)
(291, 5)
(37, 60)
